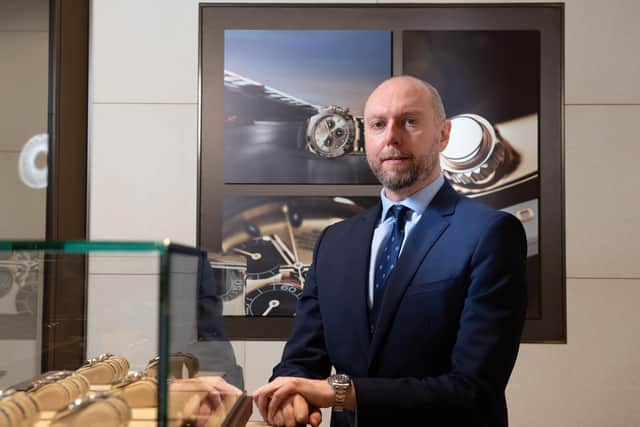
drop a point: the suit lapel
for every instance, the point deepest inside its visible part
(416, 247)
(358, 275)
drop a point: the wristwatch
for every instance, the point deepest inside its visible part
(340, 384)
(333, 132)
(103, 408)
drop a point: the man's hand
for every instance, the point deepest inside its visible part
(271, 397)
(196, 400)
(295, 411)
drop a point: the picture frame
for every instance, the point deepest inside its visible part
(498, 67)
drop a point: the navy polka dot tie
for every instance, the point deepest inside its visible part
(388, 256)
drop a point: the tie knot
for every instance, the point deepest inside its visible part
(398, 212)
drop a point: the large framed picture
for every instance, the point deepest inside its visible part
(282, 90)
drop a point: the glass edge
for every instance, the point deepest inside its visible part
(84, 246)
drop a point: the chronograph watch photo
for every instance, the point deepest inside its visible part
(333, 132)
(274, 276)
(267, 248)
(262, 273)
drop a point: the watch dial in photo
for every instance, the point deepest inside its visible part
(490, 85)
(268, 242)
(276, 81)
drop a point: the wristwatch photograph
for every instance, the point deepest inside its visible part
(334, 132)
(291, 120)
(267, 248)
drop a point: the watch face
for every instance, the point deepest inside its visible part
(263, 259)
(331, 134)
(275, 299)
(340, 379)
(268, 242)
(471, 141)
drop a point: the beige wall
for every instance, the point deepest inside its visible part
(24, 58)
(144, 120)
(24, 45)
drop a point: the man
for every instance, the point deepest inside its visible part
(429, 338)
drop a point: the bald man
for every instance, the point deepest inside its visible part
(419, 303)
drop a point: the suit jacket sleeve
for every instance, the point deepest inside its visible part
(305, 354)
(487, 341)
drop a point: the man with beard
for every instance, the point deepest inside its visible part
(418, 304)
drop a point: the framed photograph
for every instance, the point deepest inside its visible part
(282, 90)
(267, 248)
(275, 81)
(494, 105)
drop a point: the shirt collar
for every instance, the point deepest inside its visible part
(417, 202)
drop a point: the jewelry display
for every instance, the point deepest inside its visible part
(20, 406)
(52, 394)
(138, 389)
(104, 369)
(97, 408)
(78, 382)
(181, 365)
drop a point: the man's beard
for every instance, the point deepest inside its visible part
(419, 169)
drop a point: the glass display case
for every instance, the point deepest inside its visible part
(151, 335)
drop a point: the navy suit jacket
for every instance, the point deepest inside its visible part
(449, 328)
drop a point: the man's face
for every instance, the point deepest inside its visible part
(402, 139)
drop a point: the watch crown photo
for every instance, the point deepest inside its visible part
(475, 154)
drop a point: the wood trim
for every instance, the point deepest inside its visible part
(64, 317)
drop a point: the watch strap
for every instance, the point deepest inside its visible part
(99, 373)
(53, 396)
(142, 393)
(105, 409)
(341, 384)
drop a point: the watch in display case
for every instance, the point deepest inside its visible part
(181, 365)
(104, 369)
(18, 406)
(103, 408)
(138, 389)
(333, 132)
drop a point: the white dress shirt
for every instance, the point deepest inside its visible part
(417, 202)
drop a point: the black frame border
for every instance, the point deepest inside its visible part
(548, 18)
